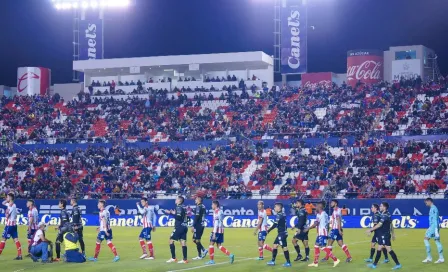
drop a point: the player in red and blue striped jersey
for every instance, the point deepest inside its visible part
(262, 230)
(11, 225)
(33, 221)
(217, 236)
(149, 225)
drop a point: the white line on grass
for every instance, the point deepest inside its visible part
(202, 266)
(19, 270)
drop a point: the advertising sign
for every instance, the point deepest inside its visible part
(91, 36)
(406, 69)
(313, 80)
(33, 80)
(366, 66)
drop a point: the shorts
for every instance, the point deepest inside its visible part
(335, 235)
(10, 232)
(30, 234)
(219, 238)
(321, 241)
(145, 234)
(431, 234)
(384, 239)
(179, 233)
(302, 236)
(374, 239)
(281, 240)
(198, 232)
(262, 235)
(103, 235)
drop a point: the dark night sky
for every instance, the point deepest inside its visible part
(33, 33)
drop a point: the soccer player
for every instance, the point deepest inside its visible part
(198, 228)
(336, 231)
(375, 220)
(282, 235)
(11, 225)
(261, 230)
(33, 222)
(77, 224)
(104, 233)
(149, 224)
(433, 232)
(64, 221)
(322, 235)
(217, 236)
(384, 235)
(300, 234)
(180, 230)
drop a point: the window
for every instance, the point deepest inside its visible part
(409, 54)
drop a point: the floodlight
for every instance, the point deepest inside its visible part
(75, 5)
(57, 6)
(94, 4)
(85, 4)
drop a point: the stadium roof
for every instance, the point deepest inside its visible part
(207, 62)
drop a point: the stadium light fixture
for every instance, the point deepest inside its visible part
(89, 4)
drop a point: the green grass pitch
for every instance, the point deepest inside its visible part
(241, 242)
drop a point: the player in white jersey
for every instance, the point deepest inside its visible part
(217, 236)
(33, 222)
(104, 233)
(149, 225)
(262, 230)
(336, 231)
(11, 225)
(322, 235)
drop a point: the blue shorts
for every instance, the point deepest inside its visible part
(431, 234)
(321, 241)
(335, 235)
(10, 232)
(146, 234)
(30, 234)
(262, 235)
(219, 238)
(102, 235)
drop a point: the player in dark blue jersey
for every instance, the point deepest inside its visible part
(375, 220)
(180, 230)
(282, 235)
(300, 234)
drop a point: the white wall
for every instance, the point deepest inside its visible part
(134, 78)
(67, 91)
(103, 79)
(266, 75)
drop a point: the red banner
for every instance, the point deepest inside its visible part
(312, 80)
(364, 65)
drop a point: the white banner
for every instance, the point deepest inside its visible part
(33, 80)
(408, 69)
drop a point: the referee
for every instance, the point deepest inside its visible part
(77, 224)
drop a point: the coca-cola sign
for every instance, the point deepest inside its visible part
(364, 65)
(315, 80)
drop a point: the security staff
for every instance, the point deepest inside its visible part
(72, 254)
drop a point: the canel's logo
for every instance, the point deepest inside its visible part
(91, 41)
(23, 79)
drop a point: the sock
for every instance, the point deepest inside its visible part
(224, 250)
(184, 252)
(267, 247)
(307, 252)
(173, 251)
(297, 248)
(29, 245)
(112, 248)
(58, 250)
(330, 254)
(19, 248)
(97, 250)
(394, 257)
(211, 252)
(143, 246)
(201, 246)
(260, 252)
(83, 246)
(428, 249)
(377, 257)
(345, 249)
(316, 254)
(150, 248)
(274, 254)
(372, 252)
(440, 249)
(287, 256)
(386, 256)
(327, 253)
(2, 246)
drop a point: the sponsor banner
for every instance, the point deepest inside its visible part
(238, 221)
(407, 69)
(91, 36)
(293, 37)
(356, 207)
(366, 66)
(313, 80)
(33, 80)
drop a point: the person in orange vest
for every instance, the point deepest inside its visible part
(309, 207)
(344, 211)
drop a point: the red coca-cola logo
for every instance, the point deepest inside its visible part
(311, 85)
(368, 70)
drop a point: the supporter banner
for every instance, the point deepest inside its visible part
(91, 36)
(407, 69)
(364, 65)
(231, 207)
(237, 221)
(313, 80)
(33, 80)
(293, 37)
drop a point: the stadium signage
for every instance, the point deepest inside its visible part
(406, 69)
(368, 70)
(365, 66)
(91, 41)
